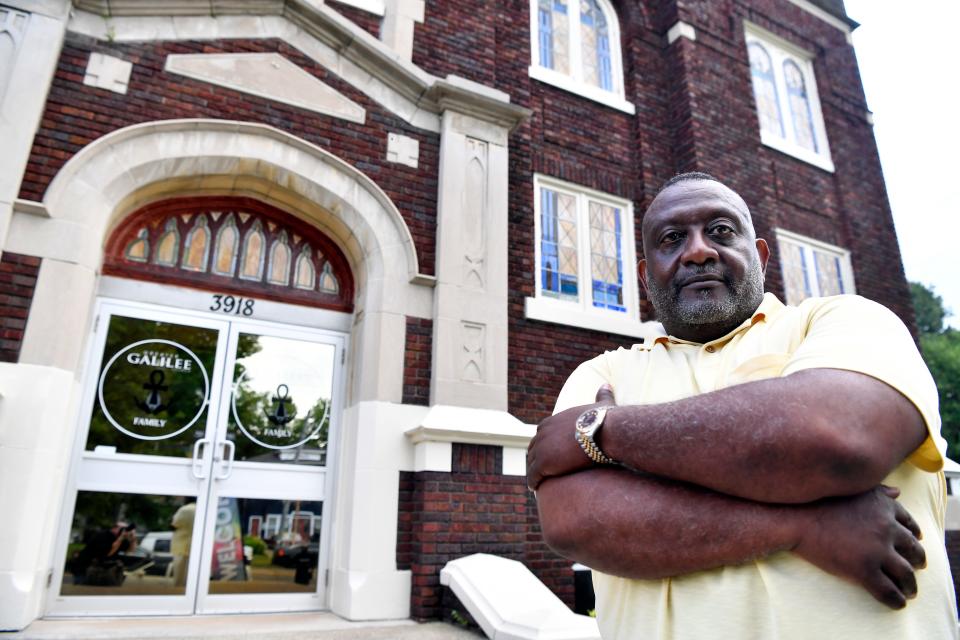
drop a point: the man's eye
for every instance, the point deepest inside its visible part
(670, 237)
(721, 230)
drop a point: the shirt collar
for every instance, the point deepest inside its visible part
(769, 307)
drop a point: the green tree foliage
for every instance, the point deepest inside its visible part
(941, 351)
(928, 307)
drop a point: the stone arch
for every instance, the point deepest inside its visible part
(134, 165)
(141, 164)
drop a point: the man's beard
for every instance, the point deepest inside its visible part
(741, 299)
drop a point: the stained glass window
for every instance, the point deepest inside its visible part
(829, 273)
(251, 264)
(799, 106)
(784, 89)
(169, 245)
(578, 39)
(305, 275)
(138, 249)
(328, 281)
(197, 246)
(585, 253)
(558, 244)
(219, 241)
(279, 272)
(765, 90)
(606, 257)
(595, 45)
(225, 254)
(811, 268)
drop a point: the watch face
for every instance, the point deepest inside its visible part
(588, 420)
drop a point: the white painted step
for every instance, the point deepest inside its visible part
(510, 603)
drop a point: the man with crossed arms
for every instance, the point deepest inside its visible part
(756, 471)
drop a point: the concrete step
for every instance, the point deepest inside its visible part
(292, 626)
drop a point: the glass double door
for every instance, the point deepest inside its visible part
(201, 479)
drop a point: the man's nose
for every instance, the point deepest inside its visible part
(698, 249)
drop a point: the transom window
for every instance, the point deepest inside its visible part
(576, 46)
(785, 91)
(812, 268)
(231, 244)
(586, 269)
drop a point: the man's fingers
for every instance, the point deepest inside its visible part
(903, 517)
(891, 492)
(605, 394)
(883, 589)
(911, 550)
(901, 574)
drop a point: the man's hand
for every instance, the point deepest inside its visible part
(554, 450)
(869, 539)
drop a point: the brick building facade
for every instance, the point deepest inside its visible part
(437, 147)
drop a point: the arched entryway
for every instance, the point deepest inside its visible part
(204, 465)
(96, 199)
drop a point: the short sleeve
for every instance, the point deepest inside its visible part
(856, 334)
(582, 385)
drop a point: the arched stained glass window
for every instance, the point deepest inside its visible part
(576, 45)
(138, 249)
(254, 245)
(595, 45)
(554, 35)
(765, 90)
(197, 246)
(328, 281)
(236, 245)
(279, 271)
(800, 112)
(306, 274)
(168, 247)
(225, 253)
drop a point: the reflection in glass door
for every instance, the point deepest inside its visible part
(201, 476)
(270, 491)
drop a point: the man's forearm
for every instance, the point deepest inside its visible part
(637, 526)
(840, 432)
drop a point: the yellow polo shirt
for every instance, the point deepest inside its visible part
(781, 597)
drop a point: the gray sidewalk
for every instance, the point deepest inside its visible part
(292, 626)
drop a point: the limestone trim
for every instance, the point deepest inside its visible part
(118, 164)
(316, 30)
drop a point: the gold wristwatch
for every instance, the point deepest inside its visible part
(588, 424)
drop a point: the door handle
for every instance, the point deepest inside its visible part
(197, 464)
(226, 460)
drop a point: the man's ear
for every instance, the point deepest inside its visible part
(642, 272)
(764, 252)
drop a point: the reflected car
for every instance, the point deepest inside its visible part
(288, 554)
(158, 545)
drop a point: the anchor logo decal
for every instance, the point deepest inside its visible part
(281, 415)
(154, 403)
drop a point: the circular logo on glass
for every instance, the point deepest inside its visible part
(153, 389)
(273, 419)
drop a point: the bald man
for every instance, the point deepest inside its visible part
(757, 470)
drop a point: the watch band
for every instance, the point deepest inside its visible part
(587, 426)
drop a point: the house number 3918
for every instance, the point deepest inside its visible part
(232, 305)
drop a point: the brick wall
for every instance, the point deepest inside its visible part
(18, 278)
(472, 509)
(76, 114)
(417, 361)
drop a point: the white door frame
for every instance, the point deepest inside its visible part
(194, 313)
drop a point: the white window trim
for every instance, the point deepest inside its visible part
(582, 313)
(772, 43)
(807, 243)
(573, 83)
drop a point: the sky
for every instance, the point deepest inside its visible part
(908, 54)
